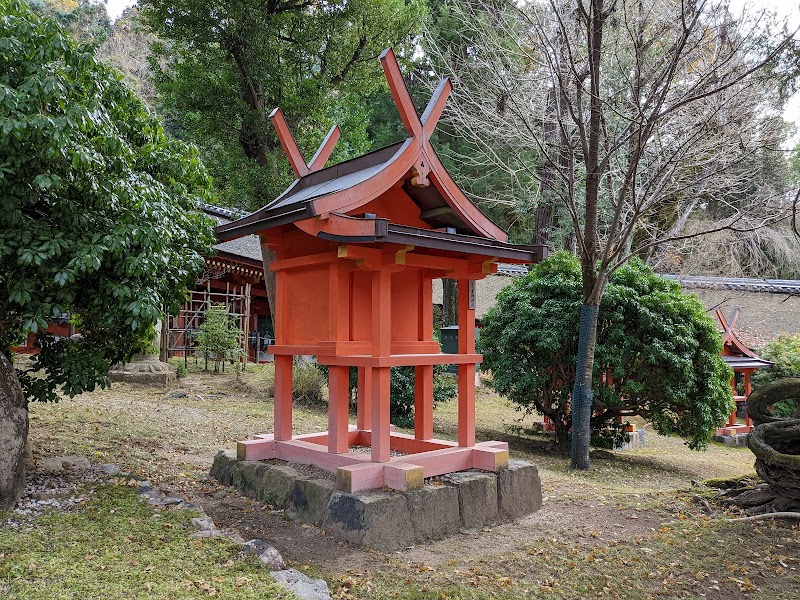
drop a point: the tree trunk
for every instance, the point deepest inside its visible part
(13, 435)
(593, 281)
(582, 390)
(562, 435)
(449, 302)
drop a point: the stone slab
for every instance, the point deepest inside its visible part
(477, 497)
(434, 512)
(144, 370)
(379, 520)
(309, 498)
(519, 490)
(223, 465)
(276, 486)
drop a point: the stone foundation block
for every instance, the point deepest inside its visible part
(276, 486)
(434, 512)
(223, 466)
(248, 477)
(309, 498)
(735, 441)
(477, 497)
(388, 520)
(377, 519)
(519, 490)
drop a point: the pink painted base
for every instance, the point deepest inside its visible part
(356, 472)
(734, 430)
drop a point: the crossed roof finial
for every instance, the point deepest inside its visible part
(418, 128)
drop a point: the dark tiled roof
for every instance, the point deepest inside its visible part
(770, 286)
(248, 246)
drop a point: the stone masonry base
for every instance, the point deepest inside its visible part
(387, 519)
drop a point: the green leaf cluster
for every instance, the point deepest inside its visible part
(657, 352)
(784, 352)
(98, 217)
(218, 335)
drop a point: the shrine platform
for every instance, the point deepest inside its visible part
(386, 519)
(414, 460)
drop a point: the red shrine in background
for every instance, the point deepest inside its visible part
(357, 247)
(744, 363)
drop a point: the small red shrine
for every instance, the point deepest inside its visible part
(357, 247)
(744, 363)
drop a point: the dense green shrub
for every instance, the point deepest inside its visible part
(657, 351)
(784, 352)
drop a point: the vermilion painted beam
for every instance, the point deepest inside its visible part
(303, 261)
(288, 144)
(397, 86)
(399, 360)
(342, 225)
(435, 107)
(324, 153)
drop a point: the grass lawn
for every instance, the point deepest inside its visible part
(629, 528)
(116, 546)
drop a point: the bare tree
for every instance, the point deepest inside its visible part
(660, 107)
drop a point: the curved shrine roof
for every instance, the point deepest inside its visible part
(456, 225)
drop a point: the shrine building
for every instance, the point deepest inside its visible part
(357, 246)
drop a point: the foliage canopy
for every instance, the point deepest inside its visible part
(657, 353)
(98, 212)
(223, 66)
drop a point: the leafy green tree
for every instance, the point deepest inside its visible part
(84, 20)
(657, 353)
(223, 66)
(218, 335)
(98, 219)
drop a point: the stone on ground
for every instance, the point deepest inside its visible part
(266, 553)
(302, 585)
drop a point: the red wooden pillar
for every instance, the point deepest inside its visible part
(381, 376)
(381, 388)
(283, 397)
(364, 398)
(466, 373)
(338, 409)
(423, 402)
(748, 387)
(283, 365)
(732, 417)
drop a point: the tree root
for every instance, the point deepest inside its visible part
(706, 506)
(762, 517)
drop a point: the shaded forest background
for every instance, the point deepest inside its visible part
(214, 69)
